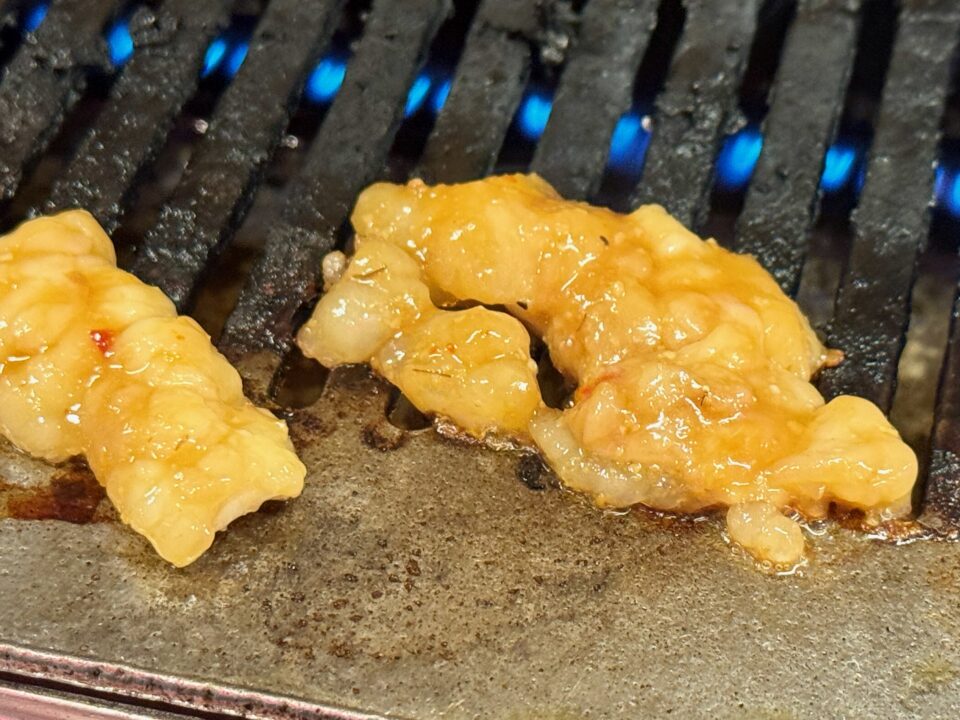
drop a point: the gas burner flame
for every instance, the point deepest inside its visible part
(844, 168)
(34, 17)
(119, 42)
(844, 165)
(225, 55)
(117, 34)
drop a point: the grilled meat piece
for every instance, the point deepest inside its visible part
(693, 368)
(95, 362)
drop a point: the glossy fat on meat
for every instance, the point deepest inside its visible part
(379, 293)
(692, 367)
(93, 361)
(59, 284)
(762, 530)
(597, 285)
(181, 452)
(471, 367)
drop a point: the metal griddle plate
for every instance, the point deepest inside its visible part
(423, 579)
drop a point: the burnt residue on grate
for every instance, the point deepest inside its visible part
(218, 184)
(773, 21)
(941, 501)
(892, 220)
(347, 154)
(807, 102)
(430, 92)
(626, 159)
(533, 473)
(593, 92)
(43, 80)
(844, 166)
(484, 95)
(73, 495)
(163, 73)
(698, 103)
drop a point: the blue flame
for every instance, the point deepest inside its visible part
(947, 189)
(838, 166)
(939, 182)
(736, 162)
(418, 93)
(238, 53)
(738, 157)
(534, 113)
(119, 43)
(35, 15)
(861, 177)
(628, 144)
(325, 80)
(440, 96)
(214, 55)
(225, 54)
(953, 196)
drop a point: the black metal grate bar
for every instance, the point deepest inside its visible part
(807, 102)
(347, 154)
(898, 213)
(698, 102)
(218, 184)
(42, 82)
(146, 98)
(892, 220)
(8, 12)
(486, 91)
(941, 500)
(595, 89)
(11, 28)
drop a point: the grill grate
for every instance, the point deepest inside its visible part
(700, 102)
(808, 99)
(892, 220)
(143, 104)
(347, 154)
(42, 81)
(485, 93)
(573, 150)
(246, 127)
(697, 104)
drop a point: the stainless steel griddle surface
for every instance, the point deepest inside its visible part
(419, 577)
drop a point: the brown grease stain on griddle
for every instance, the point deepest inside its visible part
(306, 427)
(383, 436)
(73, 496)
(895, 531)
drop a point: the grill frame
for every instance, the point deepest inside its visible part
(336, 432)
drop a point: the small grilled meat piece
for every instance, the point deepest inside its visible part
(95, 362)
(471, 367)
